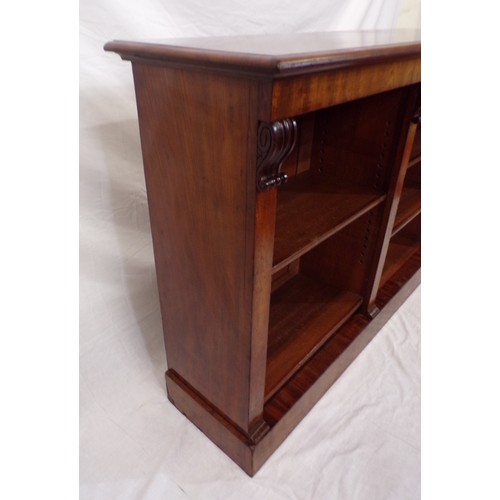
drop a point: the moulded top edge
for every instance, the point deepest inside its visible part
(276, 54)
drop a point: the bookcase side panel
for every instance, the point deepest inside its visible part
(197, 149)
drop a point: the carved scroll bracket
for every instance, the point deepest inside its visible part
(275, 141)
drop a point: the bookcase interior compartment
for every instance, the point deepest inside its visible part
(312, 208)
(304, 313)
(355, 143)
(339, 171)
(314, 296)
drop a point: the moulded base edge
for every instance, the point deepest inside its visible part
(249, 455)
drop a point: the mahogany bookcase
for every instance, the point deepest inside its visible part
(283, 181)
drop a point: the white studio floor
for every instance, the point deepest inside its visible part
(361, 441)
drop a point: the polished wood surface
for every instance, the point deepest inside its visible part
(344, 261)
(311, 210)
(304, 313)
(283, 180)
(286, 54)
(307, 92)
(202, 202)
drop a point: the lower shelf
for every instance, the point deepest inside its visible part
(304, 314)
(338, 352)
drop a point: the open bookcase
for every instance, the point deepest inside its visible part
(283, 181)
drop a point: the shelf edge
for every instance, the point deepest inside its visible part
(306, 248)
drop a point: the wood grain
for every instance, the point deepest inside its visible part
(202, 205)
(303, 314)
(304, 93)
(344, 260)
(311, 209)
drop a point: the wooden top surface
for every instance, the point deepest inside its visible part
(277, 55)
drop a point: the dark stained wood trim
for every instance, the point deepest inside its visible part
(275, 142)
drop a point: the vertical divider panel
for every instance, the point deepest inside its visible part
(399, 163)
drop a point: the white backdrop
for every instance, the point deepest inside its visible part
(362, 441)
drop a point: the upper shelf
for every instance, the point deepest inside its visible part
(279, 55)
(310, 210)
(409, 207)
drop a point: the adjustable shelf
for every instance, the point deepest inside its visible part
(408, 208)
(400, 250)
(269, 288)
(402, 247)
(311, 209)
